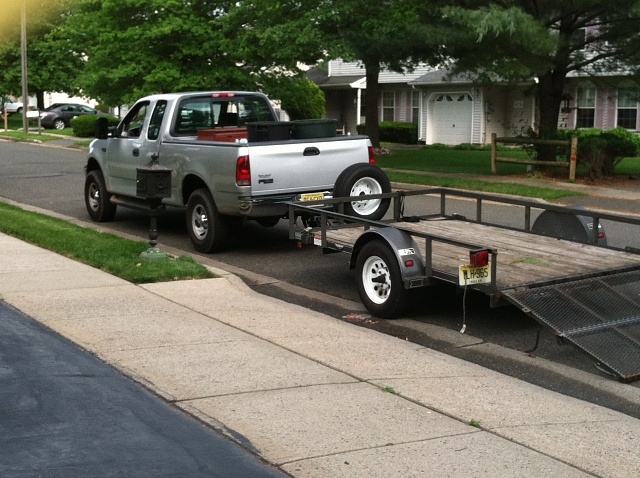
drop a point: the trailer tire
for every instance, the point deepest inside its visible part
(359, 180)
(208, 229)
(97, 199)
(379, 280)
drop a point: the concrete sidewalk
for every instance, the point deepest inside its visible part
(313, 395)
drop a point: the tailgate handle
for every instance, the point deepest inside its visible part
(311, 151)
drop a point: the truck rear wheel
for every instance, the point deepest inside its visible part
(379, 280)
(97, 198)
(208, 229)
(360, 180)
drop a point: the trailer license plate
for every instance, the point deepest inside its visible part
(475, 275)
(312, 197)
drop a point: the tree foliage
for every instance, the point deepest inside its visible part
(52, 66)
(279, 35)
(134, 48)
(547, 40)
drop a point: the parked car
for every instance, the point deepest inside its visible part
(13, 106)
(59, 115)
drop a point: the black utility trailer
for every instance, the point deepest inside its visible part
(565, 275)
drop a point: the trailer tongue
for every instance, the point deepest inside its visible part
(600, 316)
(587, 291)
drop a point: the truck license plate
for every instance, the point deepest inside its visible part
(312, 197)
(474, 275)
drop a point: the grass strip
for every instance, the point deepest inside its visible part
(21, 136)
(105, 251)
(484, 186)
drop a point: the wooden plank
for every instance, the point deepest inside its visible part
(522, 257)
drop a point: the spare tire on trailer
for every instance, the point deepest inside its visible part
(359, 180)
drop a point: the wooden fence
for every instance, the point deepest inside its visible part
(571, 165)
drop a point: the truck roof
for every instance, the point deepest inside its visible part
(173, 96)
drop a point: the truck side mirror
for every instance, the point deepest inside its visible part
(102, 128)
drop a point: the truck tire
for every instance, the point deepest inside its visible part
(359, 180)
(97, 198)
(208, 229)
(379, 280)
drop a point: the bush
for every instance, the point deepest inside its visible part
(301, 99)
(602, 150)
(84, 126)
(395, 132)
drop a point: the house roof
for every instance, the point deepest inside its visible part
(441, 77)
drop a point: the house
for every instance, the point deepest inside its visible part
(455, 110)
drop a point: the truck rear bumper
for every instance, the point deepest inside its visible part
(272, 205)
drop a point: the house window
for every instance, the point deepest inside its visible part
(388, 106)
(415, 107)
(627, 105)
(586, 105)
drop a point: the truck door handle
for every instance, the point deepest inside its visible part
(136, 152)
(311, 151)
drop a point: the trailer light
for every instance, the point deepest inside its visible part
(243, 171)
(479, 257)
(600, 235)
(372, 158)
(408, 263)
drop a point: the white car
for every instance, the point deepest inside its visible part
(13, 107)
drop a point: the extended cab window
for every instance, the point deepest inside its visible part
(209, 112)
(132, 123)
(156, 119)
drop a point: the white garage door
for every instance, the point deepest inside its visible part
(451, 118)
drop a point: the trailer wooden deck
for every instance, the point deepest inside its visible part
(523, 258)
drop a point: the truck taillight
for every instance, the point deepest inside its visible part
(223, 95)
(372, 158)
(243, 171)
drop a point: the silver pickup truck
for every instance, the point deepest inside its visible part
(229, 158)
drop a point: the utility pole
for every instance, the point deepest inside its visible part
(23, 45)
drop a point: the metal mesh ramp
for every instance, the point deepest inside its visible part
(600, 316)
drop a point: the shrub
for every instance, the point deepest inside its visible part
(301, 99)
(602, 150)
(84, 126)
(395, 132)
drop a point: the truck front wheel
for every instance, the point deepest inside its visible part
(360, 180)
(379, 280)
(208, 229)
(97, 198)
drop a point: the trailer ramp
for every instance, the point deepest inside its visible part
(599, 315)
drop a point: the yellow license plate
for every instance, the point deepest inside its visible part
(312, 197)
(474, 275)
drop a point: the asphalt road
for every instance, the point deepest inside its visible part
(64, 413)
(52, 179)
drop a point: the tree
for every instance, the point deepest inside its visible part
(547, 40)
(134, 48)
(277, 36)
(51, 64)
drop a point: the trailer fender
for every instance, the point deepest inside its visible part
(407, 252)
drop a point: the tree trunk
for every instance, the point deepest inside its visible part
(371, 104)
(40, 99)
(550, 90)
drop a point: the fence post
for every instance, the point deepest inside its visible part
(574, 158)
(493, 153)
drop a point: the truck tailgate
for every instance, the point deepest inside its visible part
(295, 166)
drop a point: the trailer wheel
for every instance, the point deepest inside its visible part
(379, 280)
(360, 180)
(208, 229)
(97, 198)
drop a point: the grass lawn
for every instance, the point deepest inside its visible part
(108, 252)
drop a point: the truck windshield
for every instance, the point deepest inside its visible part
(208, 112)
